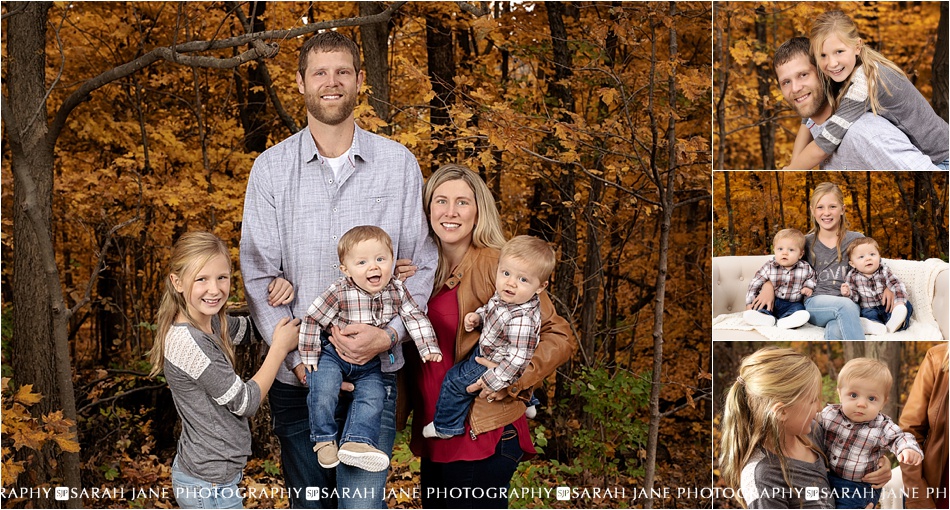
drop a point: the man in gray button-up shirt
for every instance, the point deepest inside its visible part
(872, 143)
(302, 195)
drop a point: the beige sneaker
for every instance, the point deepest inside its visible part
(363, 456)
(326, 454)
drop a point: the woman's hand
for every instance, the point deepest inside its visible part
(479, 386)
(404, 269)
(880, 477)
(766, 297)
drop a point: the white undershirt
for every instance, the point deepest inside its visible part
(336, 164)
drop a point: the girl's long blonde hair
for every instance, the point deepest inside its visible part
(192, 251)
(843, 225)
(487, 232)
(751, 418)
(838, 23)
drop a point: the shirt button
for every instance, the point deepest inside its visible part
(334, 209)
(334, 237)
(330, 181)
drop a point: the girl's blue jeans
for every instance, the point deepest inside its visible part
(840, 317)
(191, 492)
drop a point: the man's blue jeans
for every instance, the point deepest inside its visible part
(364, 416)
(291, 423)
(782, 308)
(454, 401)
(849, 494)
(840, 317)
(191, 492)
(880, 314)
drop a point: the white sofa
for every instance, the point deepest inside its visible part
(927, 282)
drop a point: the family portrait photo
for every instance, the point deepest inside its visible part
(830, 85)
(356, 254)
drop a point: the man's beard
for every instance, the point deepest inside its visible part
(333, 115)
(817, 101)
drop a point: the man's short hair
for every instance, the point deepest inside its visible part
(861, 241)
(790, 233)
(326, 42)
(533, 250)
(869, 370)
(357, 235)
(790, 49)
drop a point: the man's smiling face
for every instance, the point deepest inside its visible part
(801, 86)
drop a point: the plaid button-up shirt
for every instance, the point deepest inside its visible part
(344, 303)
(510, 334)
(854, 449)
(866, 290)
(788, 282)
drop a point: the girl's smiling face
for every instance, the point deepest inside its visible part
(828, 212)
(837, 59)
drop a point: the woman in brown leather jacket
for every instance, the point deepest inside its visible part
(925, 416)
(473, 470)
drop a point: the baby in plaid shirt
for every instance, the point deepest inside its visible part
(511, 323)
(367, 294)
(792, 278)
(855, 432)
(866, 283)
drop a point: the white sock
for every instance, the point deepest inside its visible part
(873, 328)
(794, 320)
(429, 431)
(531, 412)
(898, 314)
(757, 318)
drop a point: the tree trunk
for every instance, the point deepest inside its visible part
(441, 63)
(941, 68)
(254, 117)
(376, 63)
(890, 354)
(764, 73)
(730, 221)
(667, 203)
(40, 319)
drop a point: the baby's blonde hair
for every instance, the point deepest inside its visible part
(751, 418)
(860, 242)
(837, 23)
(867, 369)
(357, 235)
(843, 225)
(534, 251)
(191, 252)
(790, 233)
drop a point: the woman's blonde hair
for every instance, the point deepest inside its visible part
(192, 251)
(837, 23)
(770, 380)
(843, 225)
(487, 232)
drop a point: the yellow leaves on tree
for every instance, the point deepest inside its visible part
(20, 429)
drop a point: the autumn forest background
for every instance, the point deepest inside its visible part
(128, 124)
(753, 126)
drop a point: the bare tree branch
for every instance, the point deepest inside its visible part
(176, 54)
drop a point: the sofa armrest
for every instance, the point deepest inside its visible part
(941, 302)
(730, 278)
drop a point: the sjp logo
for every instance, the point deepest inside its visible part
(312, 494)
(811, 494)
(563, 493)
(61, 493)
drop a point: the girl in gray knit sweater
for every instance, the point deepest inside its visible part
(193, 346)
